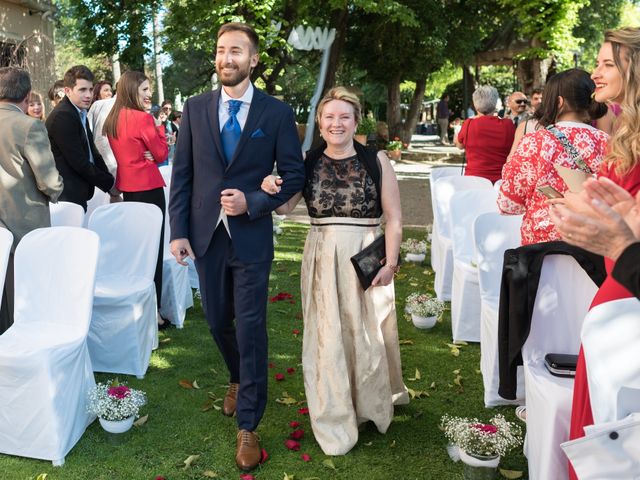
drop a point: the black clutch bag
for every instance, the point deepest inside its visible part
(369, 261)
(561, 364)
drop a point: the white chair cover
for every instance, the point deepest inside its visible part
(124, 325)
(176, 287)
(610, 340)
(564, 294)
(436, 173)
(465, 206)
(493, 234)
(45, 370)
(99, 198)
(610, 450)
(6, 242)
(66, 214)
(444, 189)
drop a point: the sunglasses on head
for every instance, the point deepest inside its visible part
(521, 101)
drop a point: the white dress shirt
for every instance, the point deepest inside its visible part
(223, 116)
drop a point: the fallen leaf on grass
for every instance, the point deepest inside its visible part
(433, 385)
(141, 421)
(458, 380)
(401, 276)
(478, 371)
(286, 399)
(460, 343)
(329, 464)
(416, 376)
(405, 342)
(185, 384)
(195, 385)
(288, 477)
(417, 393)
(165, 340)
(210, 474)
(190, 461)
(455, 351)
(42, 476)
(510, 474)
(368, 444)
(393, 444)
(413, 284)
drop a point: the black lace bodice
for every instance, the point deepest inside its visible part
(341, 188)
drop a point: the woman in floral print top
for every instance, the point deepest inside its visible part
(569, 107)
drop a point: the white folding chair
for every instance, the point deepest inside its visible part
(6, 242)
(564, 294)
(45, 370)
(610, 339)
(444, 189)
(124, 324)
(465, 207)
(436, 173)
(99, 198)
(177, 296)
(493, 234)
(66, 214)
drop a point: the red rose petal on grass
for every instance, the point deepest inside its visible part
(292, 445)
(279, 377)
(297, 434)
(160, 477)
(303, 411)
(296, 331)
(271, 365)
(291, 370)
(247, 476)
(294, 424)
(305, 457)
(264, 456)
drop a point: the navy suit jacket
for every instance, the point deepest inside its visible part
(199, 174)
(70, 147)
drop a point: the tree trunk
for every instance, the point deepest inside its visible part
(414, 110)
(394, 118)
(533, 73)
(339, 21)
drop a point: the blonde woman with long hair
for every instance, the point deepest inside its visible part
(617, 79)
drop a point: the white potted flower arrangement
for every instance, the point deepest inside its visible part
(424, 309)
(481, 445)
(116, 405)
(414, 250)
(277, 229)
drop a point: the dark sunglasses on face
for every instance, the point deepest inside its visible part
(521, 101)
(166, 107)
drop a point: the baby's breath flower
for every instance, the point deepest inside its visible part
(424, 305)
(495, 438)
(115, 401)
(411, 245)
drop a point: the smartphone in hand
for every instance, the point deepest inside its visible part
(549, 192)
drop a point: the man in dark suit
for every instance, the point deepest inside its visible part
(77, 158)
(229, 141)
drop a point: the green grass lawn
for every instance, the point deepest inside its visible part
(186, 421)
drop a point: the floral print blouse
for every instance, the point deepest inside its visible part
(531, 166)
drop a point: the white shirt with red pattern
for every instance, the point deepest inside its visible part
(531, 166)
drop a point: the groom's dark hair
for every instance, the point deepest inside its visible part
(244, 28)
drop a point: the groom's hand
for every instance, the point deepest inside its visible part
(233, 202)
(181, 249)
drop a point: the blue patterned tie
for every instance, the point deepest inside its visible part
(231, 131)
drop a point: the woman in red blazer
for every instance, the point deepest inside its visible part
(138, 147)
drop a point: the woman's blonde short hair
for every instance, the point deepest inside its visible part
(341, 93)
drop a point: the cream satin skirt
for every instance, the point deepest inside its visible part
(350, 351)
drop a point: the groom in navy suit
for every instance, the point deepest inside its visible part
(229, 141)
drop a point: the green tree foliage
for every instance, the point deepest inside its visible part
(108, 27)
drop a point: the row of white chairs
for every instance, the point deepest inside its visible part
(468, 244)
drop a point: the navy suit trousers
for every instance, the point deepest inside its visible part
(231, 289)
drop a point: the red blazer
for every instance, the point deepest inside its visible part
(137, 133)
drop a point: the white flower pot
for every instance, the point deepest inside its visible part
(479, 467)
(414, 257)
(117, 426)
(423, 322)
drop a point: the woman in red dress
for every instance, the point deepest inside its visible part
(617, 81)
(138, 147)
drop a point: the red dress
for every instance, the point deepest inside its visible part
(531, 166)
(581, 414)
(487, 141)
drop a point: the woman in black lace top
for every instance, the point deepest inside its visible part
(350, 353)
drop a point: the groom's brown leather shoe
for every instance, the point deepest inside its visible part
(230, 399)
(248, 451)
